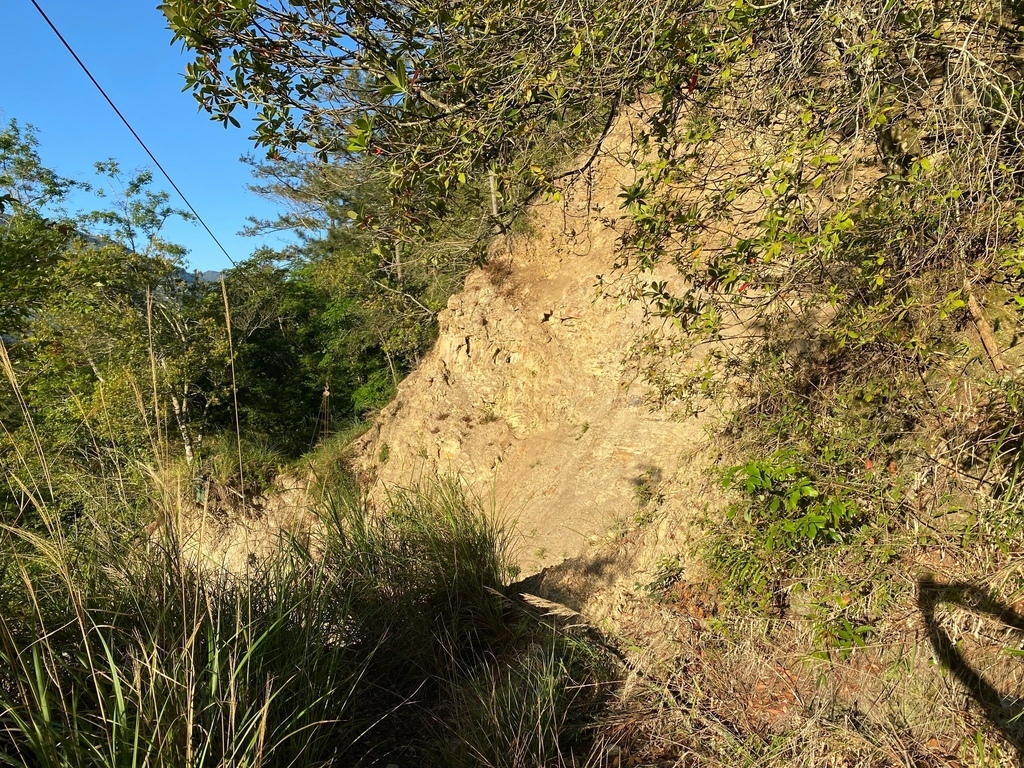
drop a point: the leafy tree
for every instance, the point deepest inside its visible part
(329, 312)
(115, 352)
(373, 300)
(138, 213)
(276, 317)
(30, 244)
(121, 338)
(444, 95)
(27, 184)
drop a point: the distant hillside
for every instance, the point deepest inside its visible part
(207, 276)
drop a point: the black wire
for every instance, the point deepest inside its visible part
(129, 127)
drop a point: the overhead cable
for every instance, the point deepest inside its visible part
(133, 132)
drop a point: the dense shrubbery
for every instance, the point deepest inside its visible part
(386, 634)
(839, 189)
(113, 350)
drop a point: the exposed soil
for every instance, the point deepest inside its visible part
(527, 394)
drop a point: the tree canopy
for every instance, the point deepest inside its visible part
(443, 95)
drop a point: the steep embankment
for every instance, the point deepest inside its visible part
(528, 393)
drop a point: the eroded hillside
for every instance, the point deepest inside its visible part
(535, 395)
(528, 394)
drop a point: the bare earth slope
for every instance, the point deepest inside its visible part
(527, 395)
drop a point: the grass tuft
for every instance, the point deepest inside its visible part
(116, 651)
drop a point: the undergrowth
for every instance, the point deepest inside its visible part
(386, 637)
(826, 220)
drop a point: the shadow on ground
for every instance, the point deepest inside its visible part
(1005, 712)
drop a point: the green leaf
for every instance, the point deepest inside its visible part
(399, 77)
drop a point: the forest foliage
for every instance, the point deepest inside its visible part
(112, 348)
(827, 197)
(826, 221)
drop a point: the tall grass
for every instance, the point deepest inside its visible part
(370, 644)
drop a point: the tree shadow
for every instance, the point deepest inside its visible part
(1005, 712)
(1016, 7)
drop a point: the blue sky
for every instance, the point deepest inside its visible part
(127, 47)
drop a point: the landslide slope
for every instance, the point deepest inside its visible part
(529, 394)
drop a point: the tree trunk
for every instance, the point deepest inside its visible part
(186, 435)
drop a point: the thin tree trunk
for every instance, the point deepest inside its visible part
(186, 435)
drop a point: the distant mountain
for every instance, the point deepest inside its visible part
(208, 276)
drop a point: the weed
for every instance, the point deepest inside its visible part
(331, 461)
(786, 506)
(261, 462)
(520, 711)
(668, 573)
(647, 489)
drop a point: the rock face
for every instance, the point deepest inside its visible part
(526, 393)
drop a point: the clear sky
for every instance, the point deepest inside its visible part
(127, 47)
